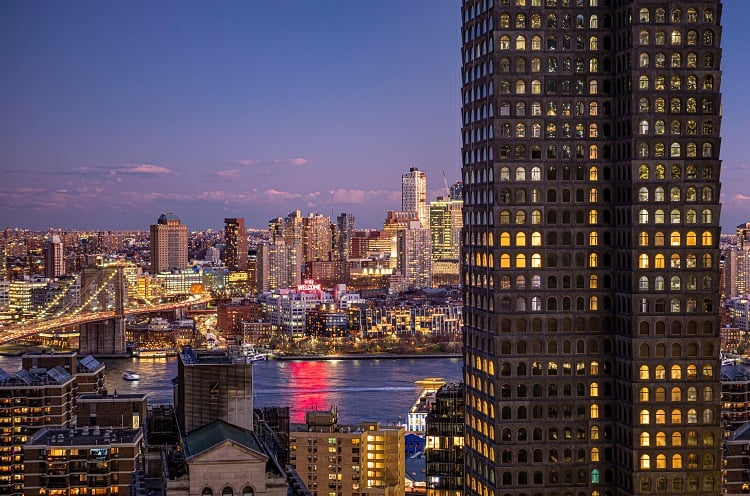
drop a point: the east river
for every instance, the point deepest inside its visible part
(363, 390)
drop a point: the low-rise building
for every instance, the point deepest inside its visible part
(345, 460)
(96, 461)
(115, 410)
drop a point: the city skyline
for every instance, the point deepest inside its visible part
(115, 113)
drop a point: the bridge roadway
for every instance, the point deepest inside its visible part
(17, 332)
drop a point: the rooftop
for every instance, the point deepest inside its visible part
(85, 436)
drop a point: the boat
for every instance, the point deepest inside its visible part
(154, 352)
(254, 354)
(129, 375)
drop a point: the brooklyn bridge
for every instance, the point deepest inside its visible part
(99, 311)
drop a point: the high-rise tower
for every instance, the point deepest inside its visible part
(414, 195)
(590, 246)
(54, 261)
(169, 244)
(235, 237)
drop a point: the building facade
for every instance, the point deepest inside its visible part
(590, 249)
(446, 222)
(414, 248)
(444, 447)
(54, 257)
(169, 244)
(235, 238)
(96, 461)
(213, 385)
(414, 195)
(278, 266)
(317, 238)
(30, 399)
(338, 460)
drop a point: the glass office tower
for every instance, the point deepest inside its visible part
(590, 149)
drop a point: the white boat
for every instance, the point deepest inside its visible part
(129, 375)
(254, 354)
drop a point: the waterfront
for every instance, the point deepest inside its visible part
(380, 389)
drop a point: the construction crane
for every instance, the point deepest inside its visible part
(447, 189)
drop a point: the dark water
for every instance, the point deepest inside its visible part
(381, 389)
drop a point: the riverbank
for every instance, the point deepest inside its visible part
(367, 356)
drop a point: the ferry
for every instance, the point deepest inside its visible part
(154, 352)
(129, 375)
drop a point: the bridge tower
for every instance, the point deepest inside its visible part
(104, 288)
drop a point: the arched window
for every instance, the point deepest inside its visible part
(247, 491)
(227, 491)
(207, 492)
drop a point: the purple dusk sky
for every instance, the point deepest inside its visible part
(113, 112)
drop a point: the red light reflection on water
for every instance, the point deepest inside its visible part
(309, 381)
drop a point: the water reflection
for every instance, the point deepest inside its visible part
(381, 390)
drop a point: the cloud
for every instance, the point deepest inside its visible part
(144, 169)
(739, 198)
(291, 161)
(127, 169)
(297, 161)
(359, 196)
(276, 195)
(248, 162)
(229, 174)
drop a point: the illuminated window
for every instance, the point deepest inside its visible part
(644, 372)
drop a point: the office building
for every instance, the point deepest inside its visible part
(169, 244)
(213, 385)
(344, 230)
(446, 221)
(456, 191)
(54, 257)
(590, 250)
(444, 442)
(362, 460)
(737, 264)
(235, 238)
(414, 195)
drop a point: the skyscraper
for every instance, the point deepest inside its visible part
(317, 237)
(54, 261)
(235, 237)
(446, 222)
(3, 262)
(590, 262)
(737, 263)
(414, 248)
(169, 244)
(414, 195)
(345, 226)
